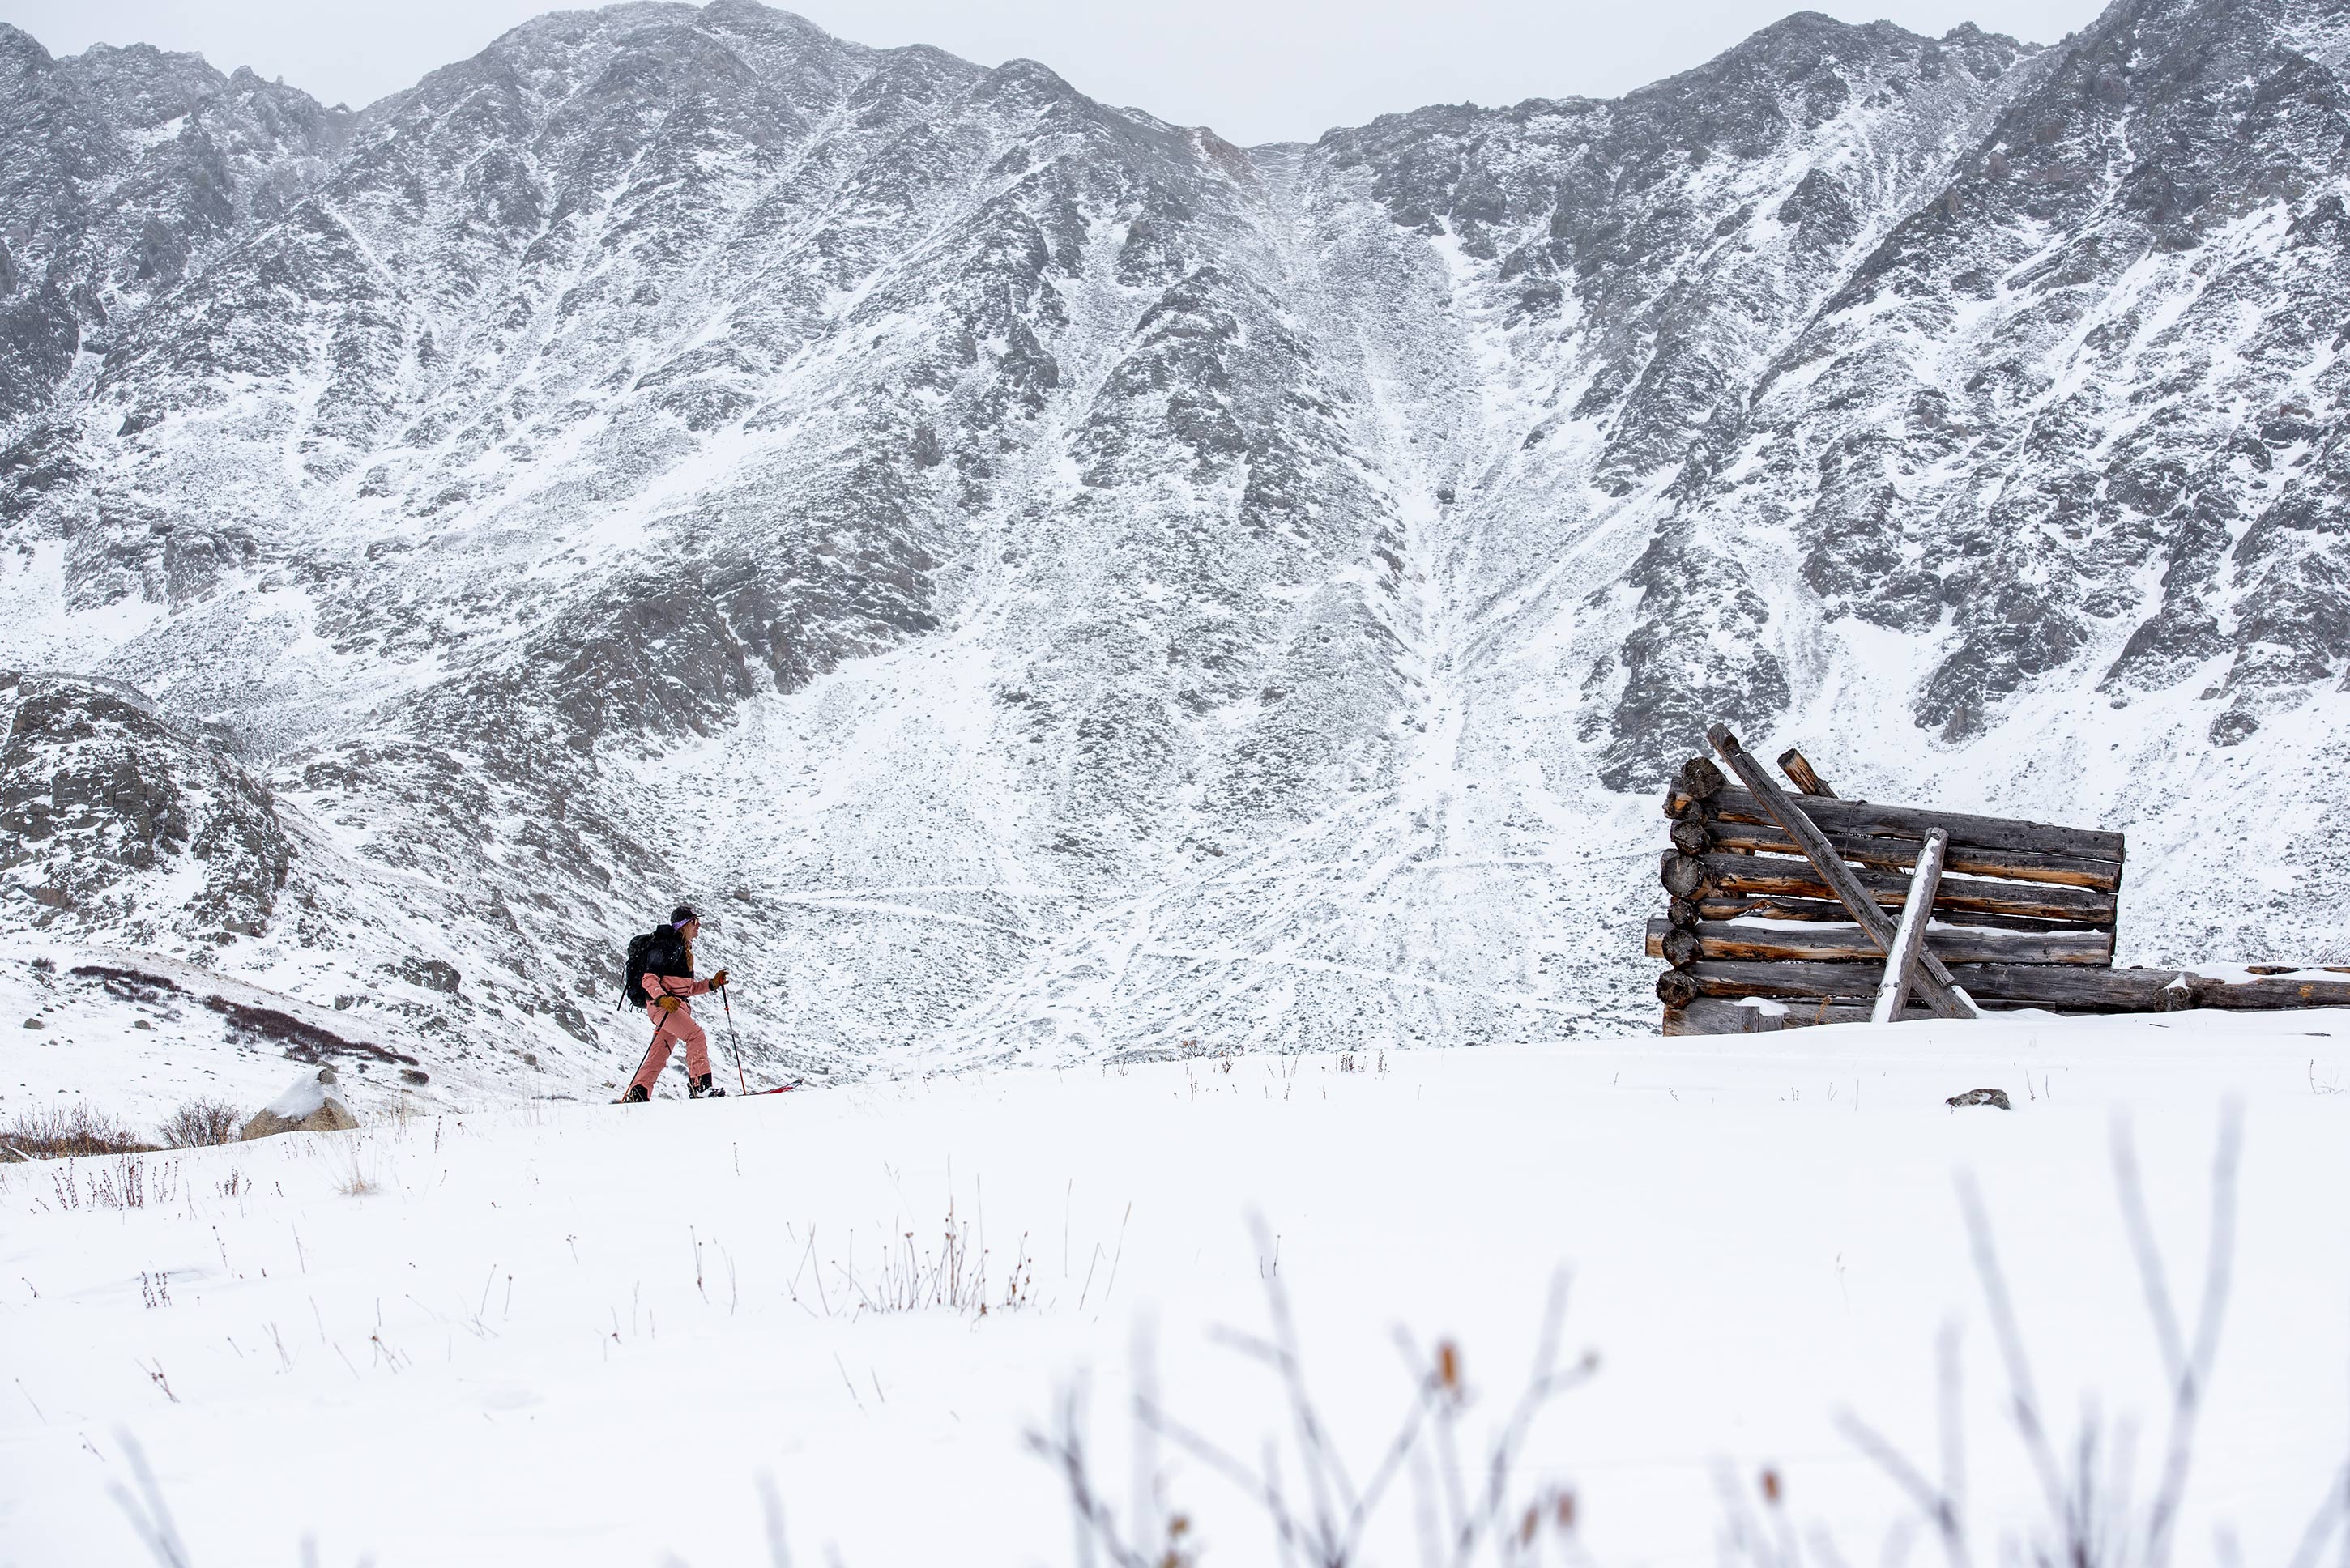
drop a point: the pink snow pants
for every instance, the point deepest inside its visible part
(672, 1028)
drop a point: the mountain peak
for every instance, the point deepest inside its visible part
(1053, 586)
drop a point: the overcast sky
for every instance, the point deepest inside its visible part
(1256, 70)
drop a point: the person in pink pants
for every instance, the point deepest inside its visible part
(671, 1018)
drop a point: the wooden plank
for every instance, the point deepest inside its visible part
(1713, 1015)
(1934, 981)
(1870, 834)
(1796, 767)
(1909, 937)
(1867, 819)
(1709, 1016)
(1784, 876)
(1682, 946)
(1709, 906)
(1900, 856)
(2067, 988)
(2259, 995)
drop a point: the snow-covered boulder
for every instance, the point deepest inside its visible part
(313, 1104)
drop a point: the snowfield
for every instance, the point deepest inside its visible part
(585, 1334)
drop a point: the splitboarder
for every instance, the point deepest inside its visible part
(660, 976)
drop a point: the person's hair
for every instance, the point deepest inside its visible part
(682, 915)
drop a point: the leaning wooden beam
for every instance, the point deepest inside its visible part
(1796, 767)
(1804, 942)
(1934, 982)
(1890, 837)
(1910, 938)
(1786, 877)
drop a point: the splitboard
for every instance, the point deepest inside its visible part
(742, 1095)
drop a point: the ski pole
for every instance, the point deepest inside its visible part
(733, 1041)
(646, 1058)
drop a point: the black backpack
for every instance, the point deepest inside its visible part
(658, 951)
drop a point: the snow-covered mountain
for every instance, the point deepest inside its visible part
(1047, 581)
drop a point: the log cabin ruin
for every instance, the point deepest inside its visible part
(1787, 910)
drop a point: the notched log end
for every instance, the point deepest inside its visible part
(1700, 780)
(1796, 767)
(1682, 875)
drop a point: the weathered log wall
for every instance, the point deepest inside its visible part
(1750, 914)
(2025, 916)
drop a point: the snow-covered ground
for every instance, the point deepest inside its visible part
(582, 1333)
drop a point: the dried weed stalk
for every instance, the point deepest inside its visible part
(2092, 1513)
(1302, 1486)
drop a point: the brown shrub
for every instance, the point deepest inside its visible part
(70, 1130)
(200, 1123)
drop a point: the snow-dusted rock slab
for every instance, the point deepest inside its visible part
(312, 1103)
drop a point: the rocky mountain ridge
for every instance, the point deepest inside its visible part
(1052, 581)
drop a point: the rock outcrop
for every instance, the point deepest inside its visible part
(114, 818)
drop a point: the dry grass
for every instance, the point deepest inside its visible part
(356, 1180)
(910, 1277)
(70, 1131)
(121, 1184)
(202, 1123)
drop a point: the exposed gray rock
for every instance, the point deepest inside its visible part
(432, 974)
(105, 803)
(1981, 1098)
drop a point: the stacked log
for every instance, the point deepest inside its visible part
(1798, 939)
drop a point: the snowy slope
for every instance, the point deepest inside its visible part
(1053, 583)
(582, 1334)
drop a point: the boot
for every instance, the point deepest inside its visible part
(636, 1096)
(702, 1089)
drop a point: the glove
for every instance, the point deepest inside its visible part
(668, 1003)
(718, 980)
